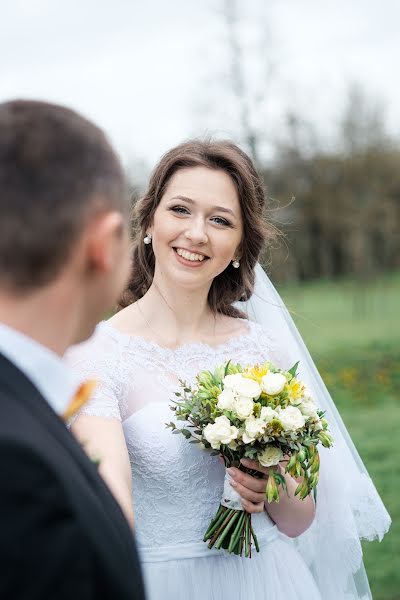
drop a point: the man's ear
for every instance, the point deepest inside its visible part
(104, 235)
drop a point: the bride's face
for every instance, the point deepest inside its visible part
(197, 227)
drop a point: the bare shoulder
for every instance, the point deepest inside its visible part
(231, 326)
(235, 327)
(128, 321)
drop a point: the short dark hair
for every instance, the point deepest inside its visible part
(57, 170)
(232, 284)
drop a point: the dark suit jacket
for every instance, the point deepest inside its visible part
(62, 535)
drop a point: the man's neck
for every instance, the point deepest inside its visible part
(46, 315)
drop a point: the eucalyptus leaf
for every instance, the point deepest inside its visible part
(293, 370)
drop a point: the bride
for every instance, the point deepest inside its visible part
(199, 232)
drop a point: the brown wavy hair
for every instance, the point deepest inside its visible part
(232, 284)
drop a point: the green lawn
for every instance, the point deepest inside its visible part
(334, 315)
(353, 332)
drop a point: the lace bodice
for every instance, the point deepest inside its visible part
(177, 486)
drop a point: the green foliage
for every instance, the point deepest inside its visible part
(343, 221)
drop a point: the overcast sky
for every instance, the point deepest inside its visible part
(153, 72)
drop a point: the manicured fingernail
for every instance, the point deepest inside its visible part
(232, 471)
(233, 483)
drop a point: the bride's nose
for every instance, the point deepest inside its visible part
(196, 231)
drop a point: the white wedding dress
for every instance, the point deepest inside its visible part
(176, 485)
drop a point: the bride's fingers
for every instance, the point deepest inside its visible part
(248, 494)
(246, 480)
(251, 507)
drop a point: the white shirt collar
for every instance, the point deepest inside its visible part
(43, 367)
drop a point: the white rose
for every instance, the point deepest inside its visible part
(306, 392)
(291, 418)
(268, 414)
(220, 432)
(271, 456)
(242, 386)
(308, 407)
(273, 383)
(229, 381)
(243, 407)
(226, 400)
(253, 428)
(248, 387)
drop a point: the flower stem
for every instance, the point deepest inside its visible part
(246, 538)
(227, 517)
(227, 528)
(215, 522)
(242, 541)
(236, 534)
(232, 530)
(254, 538)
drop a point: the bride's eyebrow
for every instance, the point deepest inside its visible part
(214, 208)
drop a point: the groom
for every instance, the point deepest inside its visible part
(64, 259)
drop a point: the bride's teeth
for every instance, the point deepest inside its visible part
(190, 255)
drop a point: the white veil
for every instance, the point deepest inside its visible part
(348, 505)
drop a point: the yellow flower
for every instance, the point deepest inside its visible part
(295, 389)
(348, 376)
(257, 372)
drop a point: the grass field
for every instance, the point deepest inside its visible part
(353, 332)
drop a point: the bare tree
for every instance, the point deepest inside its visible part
(250, 133)
(362, 127)
(239, 85)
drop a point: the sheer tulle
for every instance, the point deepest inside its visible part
(348, 505)
(276, 573)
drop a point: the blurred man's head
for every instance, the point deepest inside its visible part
(63, 207)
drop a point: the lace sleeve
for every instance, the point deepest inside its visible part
(97, 359)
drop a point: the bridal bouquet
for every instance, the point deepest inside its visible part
(261, 413)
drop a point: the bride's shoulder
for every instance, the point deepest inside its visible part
(128, 321)
(232, 326)
(242, 328)
(102, 344)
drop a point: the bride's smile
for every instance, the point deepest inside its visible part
(190, 258)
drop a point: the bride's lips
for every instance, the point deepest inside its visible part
(194, 264)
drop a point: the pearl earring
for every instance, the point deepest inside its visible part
(147, 239)
(236, 263)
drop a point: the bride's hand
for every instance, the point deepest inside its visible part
(250, 489)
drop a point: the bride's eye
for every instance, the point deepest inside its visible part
(180, 210)
(221, 221)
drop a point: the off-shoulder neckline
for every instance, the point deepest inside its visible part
(144, 342)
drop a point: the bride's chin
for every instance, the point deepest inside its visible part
(189, 280)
